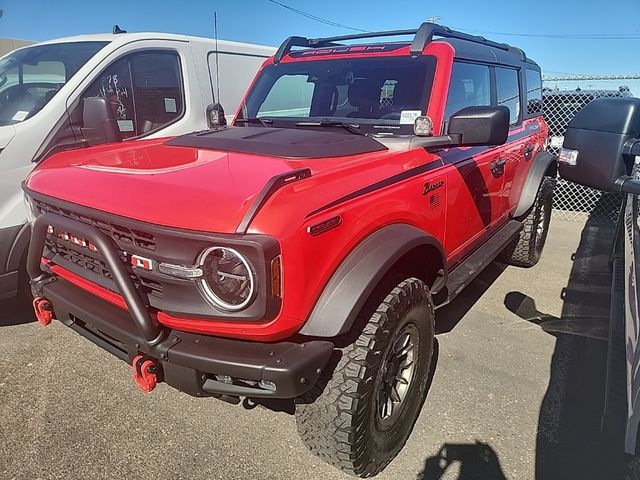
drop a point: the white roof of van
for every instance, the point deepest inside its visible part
(122, 38)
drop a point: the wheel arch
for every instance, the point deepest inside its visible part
(543, 165)
(398, 247)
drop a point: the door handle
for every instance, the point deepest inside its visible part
(498, 165)
(528, 151)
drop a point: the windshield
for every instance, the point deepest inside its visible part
(30, 77)
(376, 94)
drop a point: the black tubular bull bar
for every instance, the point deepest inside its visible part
(148, 327)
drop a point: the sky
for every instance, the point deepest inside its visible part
(266, 22)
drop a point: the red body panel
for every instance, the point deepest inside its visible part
(211, 191)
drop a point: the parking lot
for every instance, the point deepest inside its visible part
(517, 393)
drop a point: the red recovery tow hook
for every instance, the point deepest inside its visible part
(43, 310)
(145, 373)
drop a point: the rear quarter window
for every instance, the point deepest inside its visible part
(534, 91)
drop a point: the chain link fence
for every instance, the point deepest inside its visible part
(563, 97)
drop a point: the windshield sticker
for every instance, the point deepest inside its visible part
(20, 115)
(170, 105)
(125, 125)
(407, 117)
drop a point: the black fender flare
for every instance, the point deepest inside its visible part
(541, 164)
(19, 248)
(360, 272)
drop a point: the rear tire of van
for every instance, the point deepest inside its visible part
(360, 414)
(526, 248)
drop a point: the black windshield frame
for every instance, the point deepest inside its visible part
(325, 71)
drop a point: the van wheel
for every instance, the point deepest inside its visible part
(526, 248)
(360, 417)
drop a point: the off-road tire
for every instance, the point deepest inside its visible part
(339, 419)
(526, 248)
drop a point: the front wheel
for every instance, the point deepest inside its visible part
(360, 418)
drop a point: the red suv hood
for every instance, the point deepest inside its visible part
(181, 187)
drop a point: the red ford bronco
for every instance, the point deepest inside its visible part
(296, 258)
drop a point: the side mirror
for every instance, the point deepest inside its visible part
(600, 143)
(473, 126)
(215, 116)
(99, 124)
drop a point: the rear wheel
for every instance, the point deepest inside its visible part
(360, 417)
(525, 250)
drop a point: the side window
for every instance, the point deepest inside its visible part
(144, 92)
(469, 86)
(508, 92)
(157, 90)
(534, 92)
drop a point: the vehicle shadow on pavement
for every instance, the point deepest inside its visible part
(16, 311)
(569, 441)
(477, 461)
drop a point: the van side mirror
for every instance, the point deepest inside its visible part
(99, 124)
(215, 116)
(473, 126)
(600, 143)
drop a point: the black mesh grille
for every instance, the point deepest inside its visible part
(84, 258)
(122, 235)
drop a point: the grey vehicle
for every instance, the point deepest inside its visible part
(601, 149)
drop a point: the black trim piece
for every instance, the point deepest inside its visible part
(185, 358)
(267, 192)
(541, 163)
(380, 184)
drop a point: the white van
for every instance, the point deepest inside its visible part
(140, 85)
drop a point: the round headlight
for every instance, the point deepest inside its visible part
(227, 280)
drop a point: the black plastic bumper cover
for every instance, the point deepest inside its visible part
(194, 363)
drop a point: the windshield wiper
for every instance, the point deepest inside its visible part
(349, 127)
(255, 121)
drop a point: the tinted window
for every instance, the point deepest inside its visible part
(377, 94)
(508, 92)
(468, 87)
(32, 76)
(144, 91)
(534, 92)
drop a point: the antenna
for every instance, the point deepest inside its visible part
(215, 35)
(117, 30)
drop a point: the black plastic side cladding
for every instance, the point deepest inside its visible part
(351, 284)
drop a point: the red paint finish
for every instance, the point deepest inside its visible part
(210, 191)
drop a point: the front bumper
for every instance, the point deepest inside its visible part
(196, 364)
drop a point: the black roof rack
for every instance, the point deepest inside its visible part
(422, 36)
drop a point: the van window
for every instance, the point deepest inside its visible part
(534, 92)
(144, 91)
(508, 92)
(290, 96)
(469, 87)
(30, 77)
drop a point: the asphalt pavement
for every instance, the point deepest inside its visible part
(517, 393)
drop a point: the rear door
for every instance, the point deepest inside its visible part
(475, 176)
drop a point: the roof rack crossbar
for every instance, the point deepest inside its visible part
(422, 36)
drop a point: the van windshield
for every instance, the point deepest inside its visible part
(375, 94)
(31, 77)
